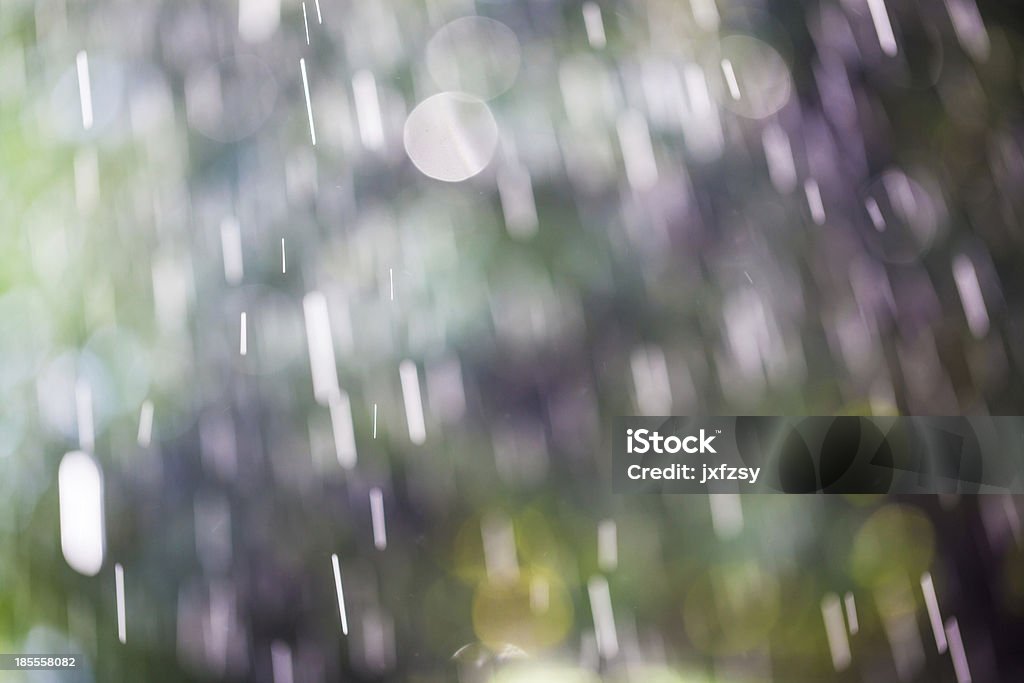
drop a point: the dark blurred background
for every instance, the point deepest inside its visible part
(300, 294)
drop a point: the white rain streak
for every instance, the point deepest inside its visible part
(931, 602)
(499, 541)
(231, 250)
(391, 280)
(84, 88)
(880, 18)
(145, 434)
(319, 17)
(258, 19)
(779, 155)
(243, 335)
(851, 613)
(445, 390)
(343, 429)
(84, 416)
(309, 105)
(122, 629)
(637, 150)
(305, 22)
(702, 126)
(371, 127)
(835, 631)
(895, 606)
(284, 262)
(321, 347)
(813, 193)
(218, 624)
(281, 662)
(651, 381)
(171, 292)
(341, 594)
(969, 28)
(730, 79)
(378, 640)
(517, 202)
(956, 651)
(705, 13)
(380, 531)
(594, 24)
(607, 545)
(967, 285)
(410, 379)
(604, 618)
(726, 514)
(80, 494)
(375, 420)
(875, 213)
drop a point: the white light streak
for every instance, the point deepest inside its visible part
(321, 347)
(607, 545)
(604, 618)
(119, 590)
(969, 28)
(341, 594)
(319, 17)
(413, 404)
(231, 248)
(371, 128)
(779, 155)
(705, 13)
(956, 651)
(309, 105)
(80, 494)
(594, 24)
(653, 391)
(851, 613)
(517, 202)
(243, 337)
(391, 279)
(880, 18)
(305, 22)
(84, 88)
(284, 262)
(637, 150)
(877, 219)
(730, 79)
(375, 420)
(344, 430)
(380, 533)
(145, 434)
(258, 19)
(973, 301)
(931, 602)
(813, 193)
(499, 539)
(726, 514)
(835, 630)
(281, 662)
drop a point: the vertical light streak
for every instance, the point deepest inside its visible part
(309, 105)
(84, 88)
